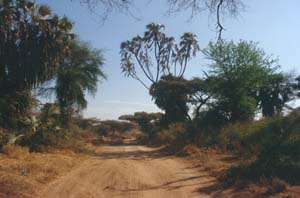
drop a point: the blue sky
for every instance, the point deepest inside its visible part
(274, 24)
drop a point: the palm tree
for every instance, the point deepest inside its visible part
(188, 49)
(78, 75)
(155, 54)
(33, 41)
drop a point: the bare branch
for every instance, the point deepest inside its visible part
(143, 69)
(220, 28)
(103, 8)
(219, 8)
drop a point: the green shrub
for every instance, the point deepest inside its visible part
(246, 136)
(206, 128)
(45, 137)
(277, 145)
(148, 122)
(112, 126)
(175, 136)
(48, 131)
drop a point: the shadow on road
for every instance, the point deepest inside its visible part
(173, 185)
(134, 155)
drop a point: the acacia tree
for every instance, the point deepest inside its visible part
(199, 95)
(156, 55)
(275, 93)
(243, 79)
(171, 94)
(146, 121)
(33, 42)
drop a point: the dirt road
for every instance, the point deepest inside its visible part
(130, 171)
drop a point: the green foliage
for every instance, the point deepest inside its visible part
(275, 142)
(78, 75)
(175, 94)
(208, 125)
(112, 126)
(171, 94)
(296, 86)
(281, 154)
(149, 123)
(145, 120)
(243, 78)
(32, 42)
(36, 47)
(48, 131)
(246, 136)
(86, 123)
(199, 95)
(15, 110)
(275, 93)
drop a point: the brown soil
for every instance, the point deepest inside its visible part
(123, 171)
(131, 171)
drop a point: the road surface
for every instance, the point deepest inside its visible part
(131, 171)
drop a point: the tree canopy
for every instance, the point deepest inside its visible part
(28, 31)
(156, 55)
(171, 94)
(33, 43)
(241, 79)
(143, 119)
(77, 75)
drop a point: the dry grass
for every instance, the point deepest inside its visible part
(23, 174)
(16, 152)
(216, 163)
(134, 133)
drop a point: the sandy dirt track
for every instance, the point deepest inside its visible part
(130, 171)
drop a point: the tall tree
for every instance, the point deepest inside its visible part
(78, 75)
(199, 95)
(156, 55)
(275, 93)
(175, 95)
(240, 75)
(33, 42)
